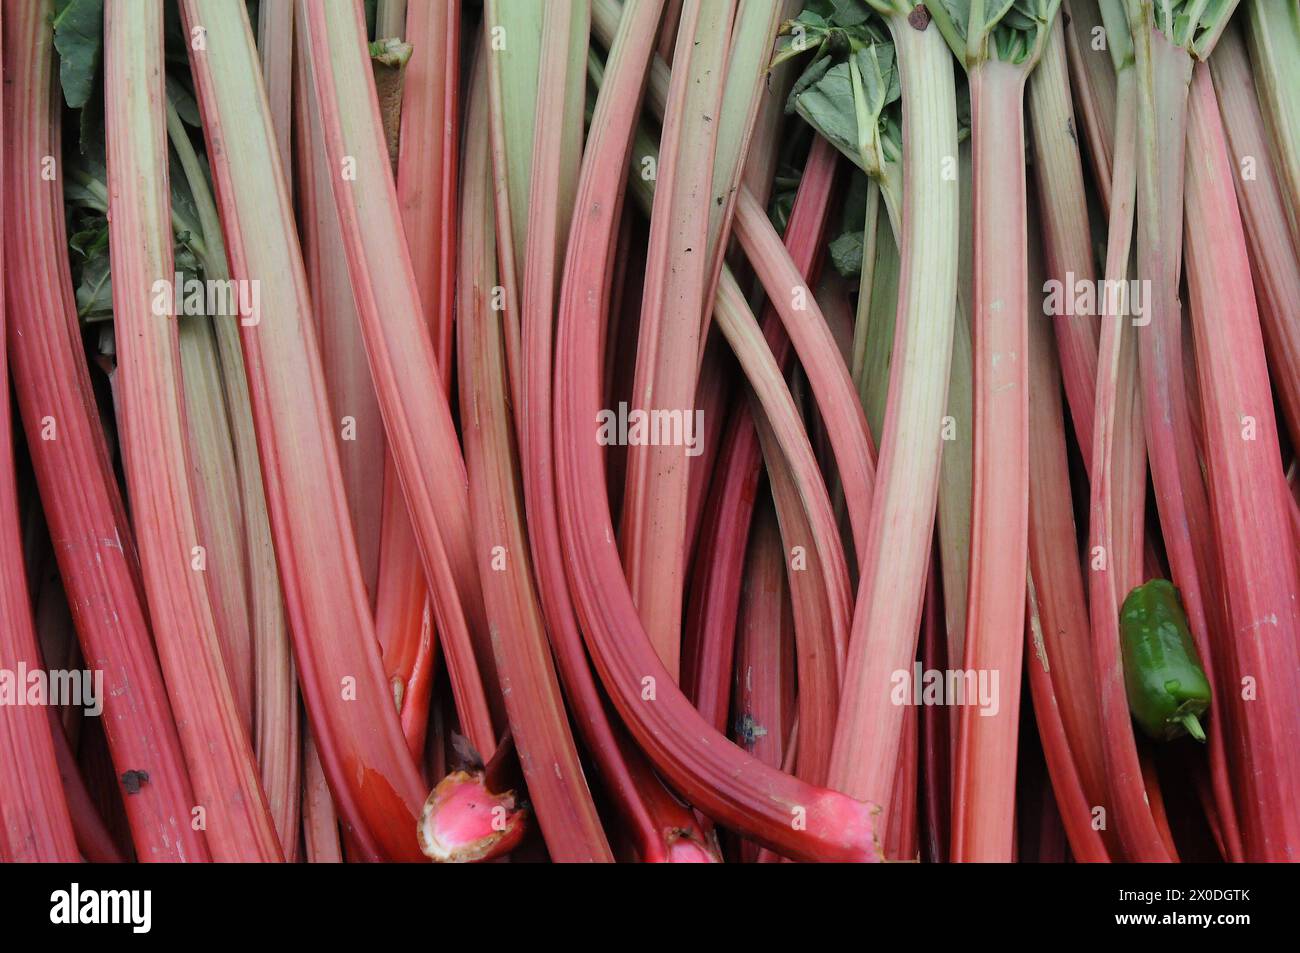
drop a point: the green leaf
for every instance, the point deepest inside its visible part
(846, 254)
(780, 209)
(849, 13)
(810, 77)
(79, 38)
(827, 105)
(95, 290)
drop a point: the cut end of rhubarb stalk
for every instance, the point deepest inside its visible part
(464, 823)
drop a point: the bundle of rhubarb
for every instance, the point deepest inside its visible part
(650, 430)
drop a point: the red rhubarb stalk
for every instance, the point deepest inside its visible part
(79, 492)
(34, 821)
(417, 417)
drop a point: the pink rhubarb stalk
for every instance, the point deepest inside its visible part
(1248, 492)
(230, 799)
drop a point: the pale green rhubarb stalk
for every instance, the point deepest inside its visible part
(1248, 491)
(375, 786)
(1275, 53)
(998, 51)
(1118, 482)
(512, 47)
(79, 493)
(417, 418)
(34, 821)
(660, 829)
(231, 805)
(275, 684)
(426, 186)
(717, 777)
(672, 309)
(874, 341)
(538, 722)
(886, 620)
(390, 19)
(1274, 254)
(956, 470)
(761, 163)
(742, 94)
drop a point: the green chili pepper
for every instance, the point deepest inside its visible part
(1166, 685)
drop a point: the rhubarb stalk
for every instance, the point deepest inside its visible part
(1248, 492)
(998, 50)
(654, 503)
(375, 786)
(717, 777)
(538, 723)
(79, 491)
(34, 821)
(887, 616)
(231, 804)
(417, 417)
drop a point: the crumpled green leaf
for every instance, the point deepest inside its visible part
(828, 106)
(1009, 30)
(79, 39)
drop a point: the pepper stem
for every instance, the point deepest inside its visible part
(1193, 727)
